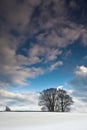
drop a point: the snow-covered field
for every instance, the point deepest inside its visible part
(42, 121)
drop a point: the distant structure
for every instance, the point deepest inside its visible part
(7, 109)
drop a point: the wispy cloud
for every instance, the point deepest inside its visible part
(79, 83)
(56, 65)
(47, 53)
(85, 57)
(79, 105)
(50, 29)
(27, 100)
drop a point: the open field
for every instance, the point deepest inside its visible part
(42, 121)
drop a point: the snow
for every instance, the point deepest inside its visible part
(42, 121)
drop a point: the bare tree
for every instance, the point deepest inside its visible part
(55, 100)
(47, 99)
(63, 101)
(7, 109)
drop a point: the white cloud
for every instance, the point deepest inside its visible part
(4, 84)
(17, 12)
(20, 16)
(81, 71)
(11, 70)
(79, 83)
(22, 60)
(79, 105)
(61, 37)
(55, 65)
(49, 54)
(20, 75)
(19, 101)
(10, 67)
(60, 87)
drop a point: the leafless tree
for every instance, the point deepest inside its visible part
(55, 100)
(63, 101)
(47, 99)
(7, 109)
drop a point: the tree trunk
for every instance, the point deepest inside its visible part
(62, 105)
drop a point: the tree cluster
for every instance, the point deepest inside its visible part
(55, 100)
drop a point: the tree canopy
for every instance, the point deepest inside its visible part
(55, 100)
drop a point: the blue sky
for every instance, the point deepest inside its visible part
(43, 44)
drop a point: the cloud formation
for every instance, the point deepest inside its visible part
(18, 101)
(56, 65)
(79, 105)
(36, 32)
(81, 71)
(79, 83)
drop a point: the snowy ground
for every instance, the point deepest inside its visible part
(42, 121)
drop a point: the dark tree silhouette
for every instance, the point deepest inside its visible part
(7, 109)
(55, 100)
(47, 99)
(63, 101)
